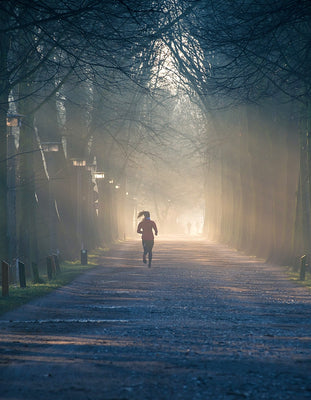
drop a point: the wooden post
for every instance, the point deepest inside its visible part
(22, 274)
(49, 268)
(53, 265)
(303, 260)
(35, 273)
(56, 262)
(5, 279)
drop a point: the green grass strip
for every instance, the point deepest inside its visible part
(69, 271)
(295, 277)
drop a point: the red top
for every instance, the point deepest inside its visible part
(145, 227)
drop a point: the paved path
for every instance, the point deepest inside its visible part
(203, 323)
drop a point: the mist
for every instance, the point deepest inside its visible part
(173, 118)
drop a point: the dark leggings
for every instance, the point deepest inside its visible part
(148, 245)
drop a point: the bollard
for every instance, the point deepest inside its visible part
(35, 273)
(56, 263)
(53, 265)
(84, 257)
(49, 268)
(303, 260)
(22, 274)
(5, 279)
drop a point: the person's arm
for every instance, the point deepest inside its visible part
(139, 229)
(155, 229)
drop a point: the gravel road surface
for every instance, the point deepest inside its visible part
(203, 323)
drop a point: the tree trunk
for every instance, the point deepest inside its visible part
(4, 93)
(26, 191)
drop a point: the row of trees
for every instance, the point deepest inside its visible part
(224, 88)
(63, 68)
(86, 79)
(248, 64)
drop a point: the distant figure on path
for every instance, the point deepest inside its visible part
(189, 227)
(146, 228)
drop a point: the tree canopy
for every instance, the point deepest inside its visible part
(139, 88)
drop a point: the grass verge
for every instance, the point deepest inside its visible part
(19, 296)
(295, 277)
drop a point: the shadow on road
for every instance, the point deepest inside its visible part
(203, 323)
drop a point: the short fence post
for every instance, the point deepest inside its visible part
(303, 260)
(84, 257)
(53, 265)
(56, 262)
(22, 274)
(49, 268)
(5, 279)
(35, 273)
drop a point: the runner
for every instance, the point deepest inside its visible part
(146, 228)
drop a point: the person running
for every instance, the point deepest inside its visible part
(146, 228)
